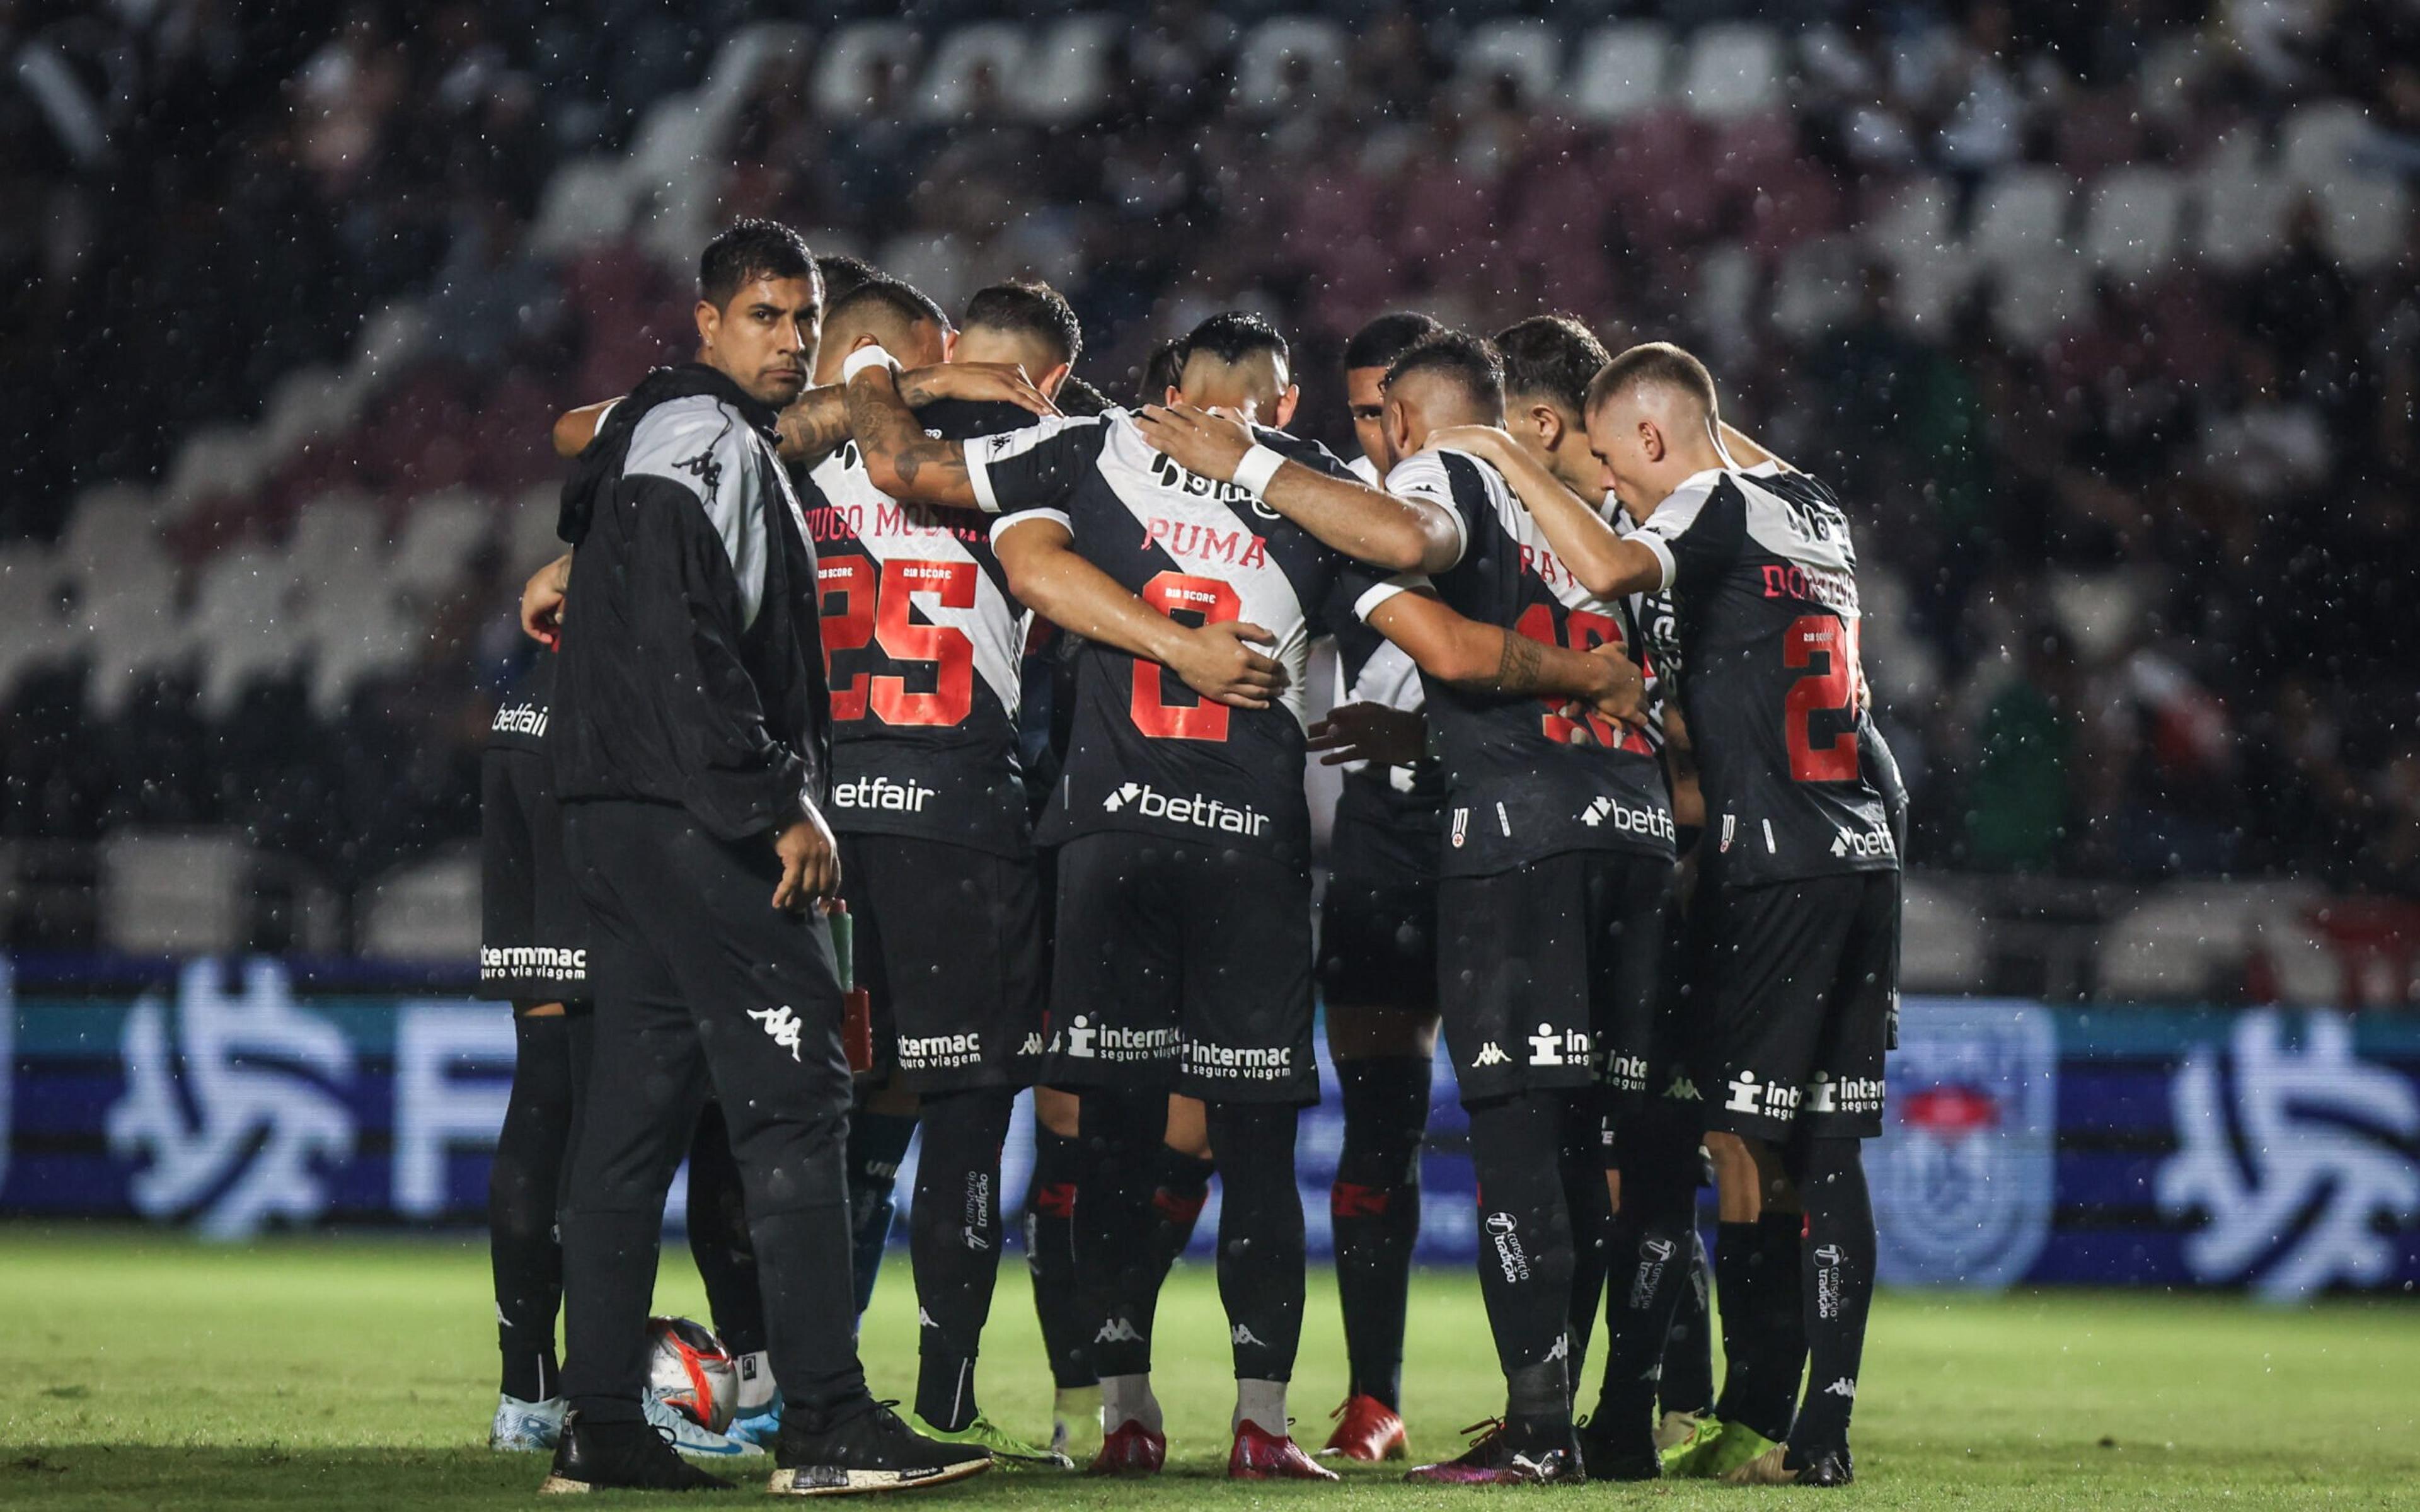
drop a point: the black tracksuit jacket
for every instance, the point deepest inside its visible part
(693, 665)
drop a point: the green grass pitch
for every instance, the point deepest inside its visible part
(141, 1370)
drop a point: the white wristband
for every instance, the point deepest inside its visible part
(1260, 464)
(863, 358)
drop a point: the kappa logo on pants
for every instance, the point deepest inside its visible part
(782, 1026)
(1118, 1330)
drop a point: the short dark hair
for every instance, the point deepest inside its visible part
(1028, 308)
(843, 273)
(1388, 338)
(877, 297)
(1078, 397)
(1163, 370)
(746, 252)
(1652, 362)
(1231, 335)
(1551, 357)
(1467, 360)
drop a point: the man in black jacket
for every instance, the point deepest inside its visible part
(692, 746)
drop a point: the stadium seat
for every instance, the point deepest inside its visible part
(129, 627)
(993, 51)
(530, 541)
(2365, 220)
(1624, 70)
(168, 892)
(1818, 285)
(1915, 224)
(1066, 74)
(586, 201)
(2171, 70)
(1941, 932)
(2020, 217)
(2188, 941)
(2132, 223)
(1733, 70)
(2315, 146)
(2242, 219)
(426, 910)
(1527, 52)
(1263, 63)
(245, 619)
(843, 84)
(436, 542)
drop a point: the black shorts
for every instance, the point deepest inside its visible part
(1181, 966)
(1807, 978)
(1548, 975)
(949, 949)
(533, 928)
(1377, 941)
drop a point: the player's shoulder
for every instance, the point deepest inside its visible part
(695, 441)
(1448, 476)
(1302, 449)
(1065, 430)
(1701, 497)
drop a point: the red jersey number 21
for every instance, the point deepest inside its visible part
(1829, 691)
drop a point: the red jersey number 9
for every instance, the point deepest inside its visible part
(1829, 691)
(1176, 595)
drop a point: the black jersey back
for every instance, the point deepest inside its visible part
(1519, 788)
(1145, 753)
(925, 644)
(1763, 577)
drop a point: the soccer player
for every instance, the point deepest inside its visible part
(1760, 562)
(1557, 867)
(1377, 971)
(690, 743)
(1184, 956)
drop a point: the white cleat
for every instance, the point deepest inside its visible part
(694, 1439)
(527, 1426)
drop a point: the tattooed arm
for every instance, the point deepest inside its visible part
(900, 459)
(1488, 659)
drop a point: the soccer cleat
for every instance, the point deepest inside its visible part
(1076, 1422)
(1718, 1453)
(1367, 1429)
(760, 1428)
(621, 1456)
(1612, 1456)
(874, 1451)
(1131, 1449)
(1012, 1453)
(1492, 1460)
(692, 1437)
(1259, 1455)
(526, 1425)
(1772, 1467)
(1674, 1430)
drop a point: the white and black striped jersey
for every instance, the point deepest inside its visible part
(1763, 577)
(1518, 789)
(925, 644)
(1145, 753)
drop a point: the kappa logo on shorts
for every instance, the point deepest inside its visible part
(1551, 1046)
(1490, 1054)
(1243, 1335)
(1843, 1386)
(1562, 1347)
(1032, 1046)
(782, 1026)
(1682, 1089)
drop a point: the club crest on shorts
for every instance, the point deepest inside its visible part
(1963, 1175)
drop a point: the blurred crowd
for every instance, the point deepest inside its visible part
(2135, 586)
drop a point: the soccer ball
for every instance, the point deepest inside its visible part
(690, 1370)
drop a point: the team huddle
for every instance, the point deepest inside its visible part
(886, 622)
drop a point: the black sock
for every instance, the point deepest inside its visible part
(1756, 1291)
(1260, 1238)
(1118, 1272)
(1591, 1206)
(524, 1187)
(1838, 1280)
(954, 1236)
(1651, 1249)
(1374, 1207)
(877, 1142)
(1525, 1254)
(1050, 1256)
(717, 1237)
(1689, 1384)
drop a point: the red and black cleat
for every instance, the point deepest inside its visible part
(1493, 1459)
(1131, 1449)
(1259, 1455)
(1367, 1429)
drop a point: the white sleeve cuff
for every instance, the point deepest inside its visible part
(863, 358)
(1006, 522)
(1377, 593)
(979, 480)
(1260, 464)
(1663, 556)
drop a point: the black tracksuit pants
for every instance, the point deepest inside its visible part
(699, 983)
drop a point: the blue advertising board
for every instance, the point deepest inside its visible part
(2260, 1148)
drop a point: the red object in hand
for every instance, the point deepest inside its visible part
(857, 1008)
